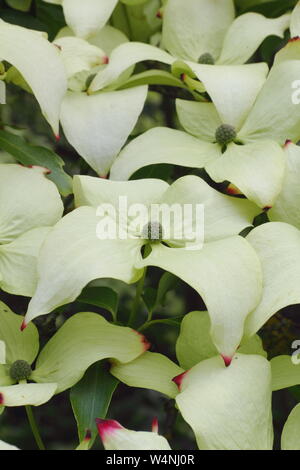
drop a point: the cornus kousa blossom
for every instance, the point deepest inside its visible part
(229, 391)
(168, 208)
(121, 258)
(237, 138)
(87, 120)
(83, 340)
(207, 31)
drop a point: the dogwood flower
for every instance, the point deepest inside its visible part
(39, 63)
(117, 254)
(217, 397)
(198, 31)
(83, 340)
(207, 31)
(29, 205)
(84, 58)
(87, 120)
(115, 437)
(237, 137)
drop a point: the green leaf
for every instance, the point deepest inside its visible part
(103, 297)
(22, 5)
(166, 283)
(149, 298)
(90, 399)
(37, 156)
(51, 16)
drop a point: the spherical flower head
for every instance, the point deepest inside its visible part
(207, 59)
(225, 134)
(153, 231)
(20, 370)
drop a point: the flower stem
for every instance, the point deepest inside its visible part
(137, 299)
(34, 428)
(139, 291)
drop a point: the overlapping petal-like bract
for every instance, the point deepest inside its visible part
(194, 344)
(88, 17)
(197, 27)
(20, 346)
(277, 244)
(83, 340)
(116, 437)
(255, 161)
(24, 49)
(67, 259)
(224, 405)
(29, 205)
(97, 126)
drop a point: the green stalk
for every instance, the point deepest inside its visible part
(139, 291)
(34, 428)
(137, 300)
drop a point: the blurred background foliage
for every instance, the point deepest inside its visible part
(134, 408)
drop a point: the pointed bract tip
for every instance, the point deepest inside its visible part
(104, 177)
(57, 137)
(23, 326)
(178, 379)
(183, 76)
(287, 143)
(227, 360)
(88, 435)
(1, 399)
(105, 60)
(295, 38)
(145, 342)
(107, 426)
(155, 425)
(159, 14)
(233, 190)
(43, 169)
(267, 208)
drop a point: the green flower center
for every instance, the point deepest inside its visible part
(225, 134)
(20, 370)
(206, 58)
(153, 231)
